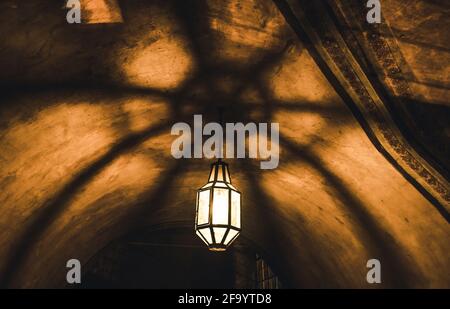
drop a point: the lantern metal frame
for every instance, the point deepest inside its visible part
(219, 169)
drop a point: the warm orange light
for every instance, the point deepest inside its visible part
(101, 12)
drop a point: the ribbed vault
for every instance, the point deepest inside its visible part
(85, 132)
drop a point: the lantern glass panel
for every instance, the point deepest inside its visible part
(213, 172)
(235, 209)
(219, 233)
(227, 175)
(220, 184)
(230, 236)
(220, 173)
(201, 236)
(203, 207)
(206, 232)
(220, 206)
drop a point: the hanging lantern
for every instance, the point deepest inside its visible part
(218, 214)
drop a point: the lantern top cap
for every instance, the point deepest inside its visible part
(219, 172)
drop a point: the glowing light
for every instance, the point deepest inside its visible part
(218, 219)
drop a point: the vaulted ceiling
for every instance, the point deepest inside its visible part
(86, 112)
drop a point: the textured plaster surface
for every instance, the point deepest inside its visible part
(85, 145)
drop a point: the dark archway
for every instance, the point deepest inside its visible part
(175, 258)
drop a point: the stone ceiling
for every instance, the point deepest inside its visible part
(85, 120)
